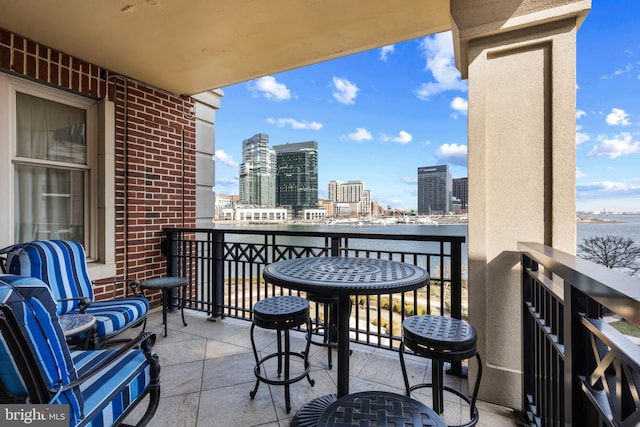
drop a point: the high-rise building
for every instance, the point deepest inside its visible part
(297, 176)
(258, 172)
(434, 190)
(352, 192)
(461, 190)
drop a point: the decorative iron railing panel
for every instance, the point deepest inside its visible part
(577, 368)
(224, 269)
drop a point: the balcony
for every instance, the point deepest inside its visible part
(207, 373)
(576, 368)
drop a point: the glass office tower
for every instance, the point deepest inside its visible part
(297, 176)
(434, 190)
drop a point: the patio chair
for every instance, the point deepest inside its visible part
(100, 387)
(62, 265)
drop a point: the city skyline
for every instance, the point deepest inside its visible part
(379, 115)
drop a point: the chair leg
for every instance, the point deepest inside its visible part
(404, 370)
(287, 350)
(279, 352)
(306, 353)
(473, 412)
(257, 368)
(327, 333)
(437, 379)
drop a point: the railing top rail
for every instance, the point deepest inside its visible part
(310, 233)
(617, 291)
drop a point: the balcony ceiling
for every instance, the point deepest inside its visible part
(187, 47)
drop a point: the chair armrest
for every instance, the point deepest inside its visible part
(144, 340)
(83, 303)
(134, 284)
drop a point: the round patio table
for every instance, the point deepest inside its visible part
(379, 408)
(342, 277)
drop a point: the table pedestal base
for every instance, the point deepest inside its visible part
(310, 413)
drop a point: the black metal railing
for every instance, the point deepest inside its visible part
(578, 369)
(224, 269)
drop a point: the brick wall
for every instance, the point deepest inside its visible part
(155, 149)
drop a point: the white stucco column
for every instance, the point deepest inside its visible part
(519, 58)
(206, 105)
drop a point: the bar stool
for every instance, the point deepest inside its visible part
(329, 328)
(281, 313)
(441, 339)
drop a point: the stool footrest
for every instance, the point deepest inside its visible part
(272, 381)
(474, 415)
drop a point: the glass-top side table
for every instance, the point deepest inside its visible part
(75, 323)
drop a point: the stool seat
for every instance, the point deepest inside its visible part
(283, 312)
(440, 337)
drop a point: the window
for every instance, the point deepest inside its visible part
(51, 170)
(57, 166)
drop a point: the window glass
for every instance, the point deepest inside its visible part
(48, 130)
(50, 170)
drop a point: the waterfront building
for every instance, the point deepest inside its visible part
(461, 190)
(342, 209)
(352, 192)
(257, 214)
(224, 207)
(327, 205)
(434, 190)
(313, 214)
(297, 176)
(257, 184)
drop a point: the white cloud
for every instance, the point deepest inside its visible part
(580, 114)
(223, 158)
(619, 145)
(459, 105)
(344, 92)
(580, 174)
(452, 153)
(227, 181)
(438, 51)
(385, 51)
(409, 180)
(403, 137)
(581, 136)
(618, 117)
(618, 72)
(269, 88)
(295, 124)
(606, 190)
(361, 134)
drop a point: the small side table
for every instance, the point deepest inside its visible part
(166, 284)
(76, 323)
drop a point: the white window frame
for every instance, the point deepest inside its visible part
(99, 214)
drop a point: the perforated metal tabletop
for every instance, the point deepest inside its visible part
(345, 275)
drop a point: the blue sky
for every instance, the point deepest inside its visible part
(379, 115)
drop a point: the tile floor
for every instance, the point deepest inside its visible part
(207, 374)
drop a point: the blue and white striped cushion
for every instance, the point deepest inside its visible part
(32, 304)
(115, 314)
(60, 264)
(108, 395)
